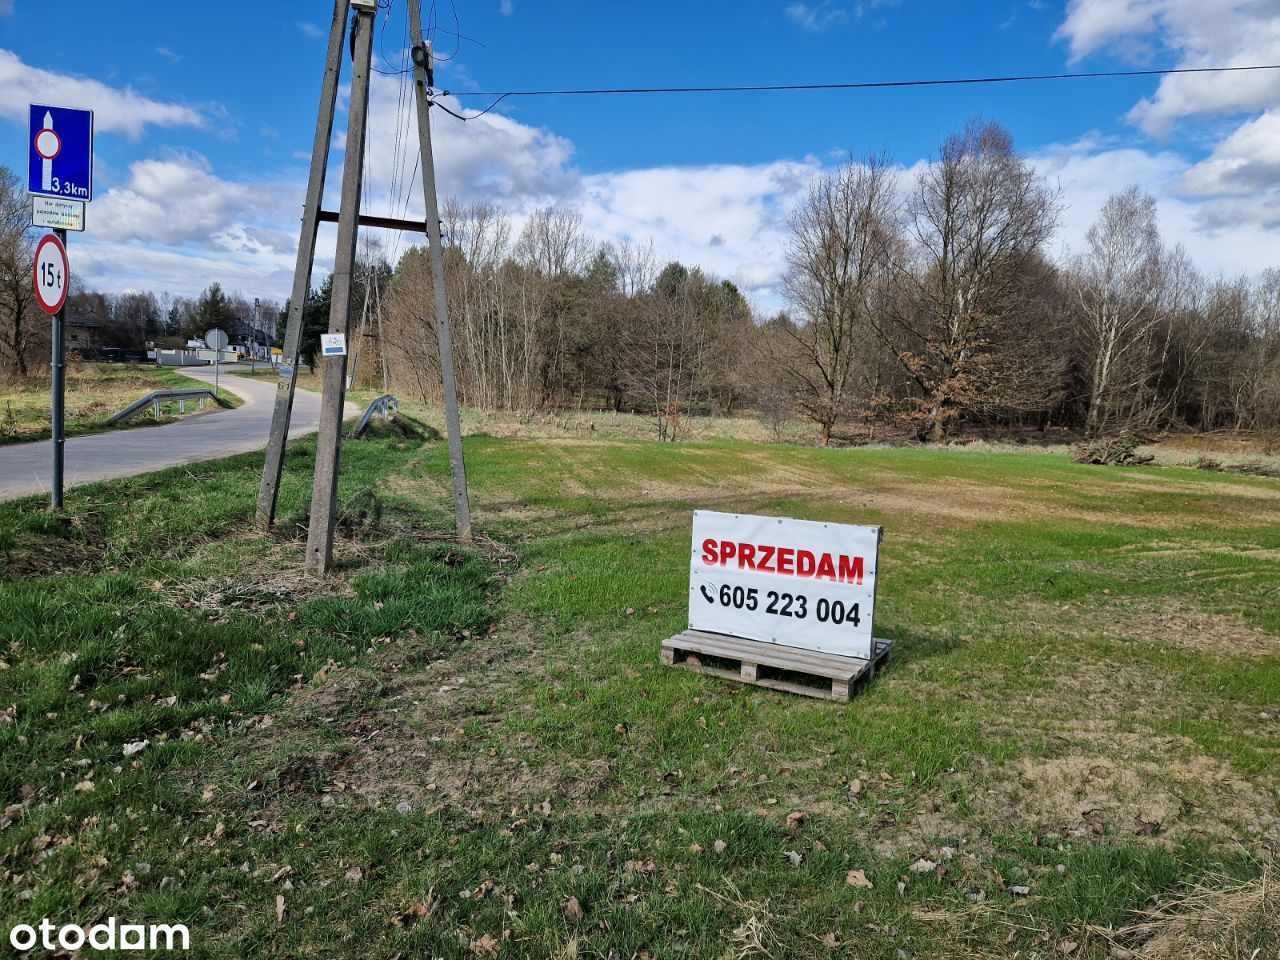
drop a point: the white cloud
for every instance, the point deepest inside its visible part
(493, 157)
(175, 225)
(1240, 174)
(120, 267)
(730, 219)
(1088, 173)
(1245, 162)
(115, 110)
(727, 218)
(1234, 33)
(507, 7)
(829, 13)
(179, 200)
(816, 17)
(309, 29)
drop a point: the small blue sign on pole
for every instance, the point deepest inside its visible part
(60, 153)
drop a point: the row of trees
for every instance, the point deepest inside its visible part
(927, 304)
(544, 318)
(128, 320)
(934, 303)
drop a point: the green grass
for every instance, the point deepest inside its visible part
(95, 391)
(441, 746)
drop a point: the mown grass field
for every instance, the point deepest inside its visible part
(471, 751)
(95, 391)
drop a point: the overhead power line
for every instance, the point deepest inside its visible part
(501, 95)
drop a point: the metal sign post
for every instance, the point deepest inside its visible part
(216, 340)
(52, 280)
(60, 178)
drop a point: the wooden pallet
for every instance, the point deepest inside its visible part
(771, 665)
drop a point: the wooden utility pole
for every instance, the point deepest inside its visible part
(271, 470)
(324, 491)
(444, 335)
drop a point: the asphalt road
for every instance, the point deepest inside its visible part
(26, 468)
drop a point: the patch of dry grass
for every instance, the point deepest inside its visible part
(95, 391)
(1217, 920)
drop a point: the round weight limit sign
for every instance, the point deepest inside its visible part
(52, 274)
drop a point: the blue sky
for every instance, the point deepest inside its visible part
(206, 111)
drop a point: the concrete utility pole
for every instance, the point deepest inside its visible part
(324, 492)
(270, 488)
(444, 335)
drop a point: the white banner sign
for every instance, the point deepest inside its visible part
(797, 583)
(333, 345)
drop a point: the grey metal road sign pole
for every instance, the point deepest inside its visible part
(324, 491)
(270, 488)
(59, 364)
(444, 335)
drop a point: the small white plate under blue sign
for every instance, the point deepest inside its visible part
(53, 213)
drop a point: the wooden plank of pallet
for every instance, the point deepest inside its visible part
(759, 663)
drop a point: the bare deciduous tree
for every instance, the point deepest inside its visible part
(979, 216)
(843, 237)
(20, 327)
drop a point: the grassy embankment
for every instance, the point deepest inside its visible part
(95, 391)
(472, 752)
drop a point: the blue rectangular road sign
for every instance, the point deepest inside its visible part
(60, 153)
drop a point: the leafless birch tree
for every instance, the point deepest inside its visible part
(1116, 283)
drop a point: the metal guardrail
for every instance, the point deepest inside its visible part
(385, 405)
(156, 397)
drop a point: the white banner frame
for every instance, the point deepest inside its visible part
(796, 583)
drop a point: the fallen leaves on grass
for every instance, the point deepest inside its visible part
(858, 879)
(418, 911)
(573, 910)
